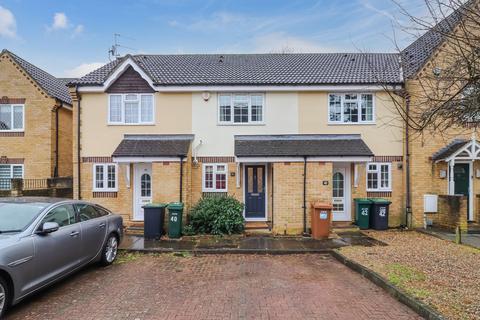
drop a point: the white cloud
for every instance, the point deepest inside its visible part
(281, 42)
(78, 30)
(82, 69)
(60, 21)
(8, 25)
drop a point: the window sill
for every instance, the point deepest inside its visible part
(386, 190)
(214, 191)
(105, 190)
(131, 124)
(351, 123)
(241, 124)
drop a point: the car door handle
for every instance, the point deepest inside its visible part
(74, 234)
(102, 225)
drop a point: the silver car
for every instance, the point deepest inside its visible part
(43, 240)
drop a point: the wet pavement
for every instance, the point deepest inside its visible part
(471, 239)
(248, 244)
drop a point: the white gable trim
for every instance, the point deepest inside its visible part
(114, 77)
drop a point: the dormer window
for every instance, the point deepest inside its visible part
(131, 109)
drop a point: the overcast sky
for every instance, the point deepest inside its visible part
(70, 38)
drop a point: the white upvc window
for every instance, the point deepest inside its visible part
(214, 177)
(12, 117)
(349, 108)
(131, 109)
(241, 108)
(105, 177)
(8, 172)
(379, 176)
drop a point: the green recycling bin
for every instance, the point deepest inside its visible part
(363, 208)
(175, 212)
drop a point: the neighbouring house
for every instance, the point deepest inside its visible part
(35, 124)
(444, 165)
(276, 131)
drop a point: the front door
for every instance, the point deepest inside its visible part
(143, 189)
(341, 193)
(461, 176)
(255, 192)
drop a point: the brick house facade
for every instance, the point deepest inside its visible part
(35, 122)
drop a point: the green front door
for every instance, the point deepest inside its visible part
(461, 176)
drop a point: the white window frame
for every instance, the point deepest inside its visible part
(12, 105)
(11, 169)
(214, 178)
(249, 122)
(122, 112)
(359, 104)
(105, 177)
(379, 172)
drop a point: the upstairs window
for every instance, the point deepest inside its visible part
(130, 109)
(241, 108)
(11, 117)
(105, 177)
(350, 108)
(379, 177)
(215, 177)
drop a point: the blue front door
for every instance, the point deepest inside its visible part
(254, 192)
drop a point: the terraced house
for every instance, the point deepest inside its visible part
(35, 122)
(276, 131)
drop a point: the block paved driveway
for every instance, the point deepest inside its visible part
(215, 287)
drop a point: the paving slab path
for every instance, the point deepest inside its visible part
(165, 286)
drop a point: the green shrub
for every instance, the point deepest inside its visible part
(217, 215)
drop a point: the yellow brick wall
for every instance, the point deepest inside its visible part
(288, 193)
(35, 146)
(65, 143)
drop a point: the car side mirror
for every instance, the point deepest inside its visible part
(49, 227)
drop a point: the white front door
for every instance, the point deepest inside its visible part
(142, 188)
(341, 192)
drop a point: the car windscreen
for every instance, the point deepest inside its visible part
(15, 217)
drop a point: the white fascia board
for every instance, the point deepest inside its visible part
(259, 88)
(145, 159)
(300, 159)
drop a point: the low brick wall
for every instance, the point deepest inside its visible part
(452, 212)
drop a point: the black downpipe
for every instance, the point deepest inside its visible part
(55, 170)
(273, 211)
(305, 195)
(408, 217)
(79, 184)
(181, 178)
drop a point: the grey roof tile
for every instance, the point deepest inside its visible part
(319, 145)
(55, 87)
(260, 69)
(419, 52)
(449, 149)
(153, 146)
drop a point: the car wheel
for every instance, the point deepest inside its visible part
(110, 249)
(4, 296)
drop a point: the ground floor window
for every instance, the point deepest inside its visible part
(105, 177)
(214, 177)
(8, 172)
(379, 177)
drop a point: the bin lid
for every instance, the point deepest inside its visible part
(175, 205)
(380, 201)
(155, 205)
(363, 200)
(321, 205)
